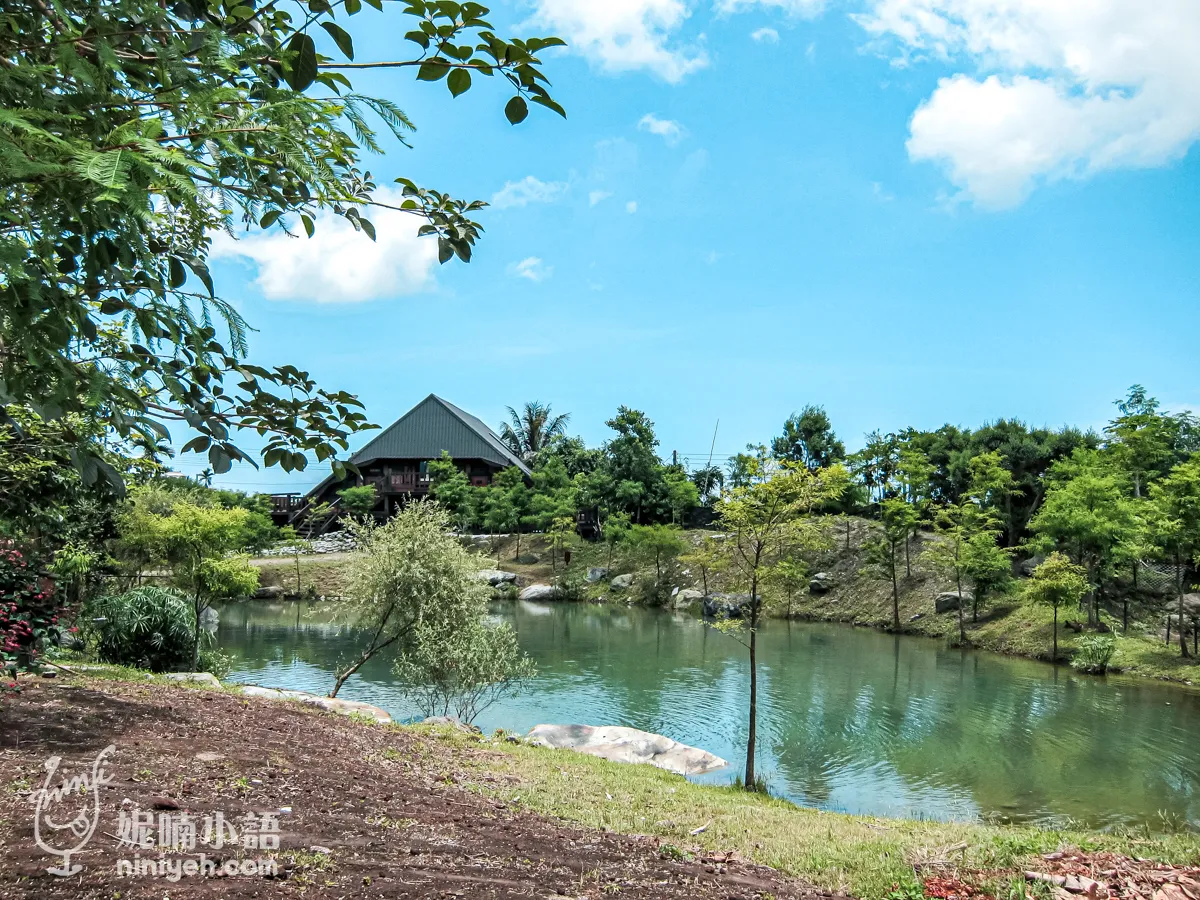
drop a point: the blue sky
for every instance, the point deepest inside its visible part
(909, 211)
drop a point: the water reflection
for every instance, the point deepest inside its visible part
(852, 719)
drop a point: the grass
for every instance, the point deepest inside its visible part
(862, 856)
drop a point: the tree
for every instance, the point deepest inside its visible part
(682, 495)
(883, 552)
(133, 132)
(291, 539)
(969, 533)
(449, 486)
(1089, 514)
(1174, 522)
(915, 473)
(530, 431)
(633, 470)
(408, 574)
(709, 557)
(1142, 440)
(1057, 582)
(196, 542)
(808, 439)
(462, 667)
(360, 500)
(510, 485)
(661, 544)
(615, 530)
(709, 481)
(788, 576)
(764, 518)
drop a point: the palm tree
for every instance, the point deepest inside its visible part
(532, 429)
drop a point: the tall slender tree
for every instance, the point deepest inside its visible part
(531, 430)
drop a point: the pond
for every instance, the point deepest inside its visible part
(849, 719)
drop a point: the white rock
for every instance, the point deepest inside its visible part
(539, 593)
(627, 745)
(332, 704)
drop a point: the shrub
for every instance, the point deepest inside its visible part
(1094, 653)
(571, 586)
(28, 611)
(147, 628)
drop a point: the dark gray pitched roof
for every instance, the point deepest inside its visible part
(434, 425)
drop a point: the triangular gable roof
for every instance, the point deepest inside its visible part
(434, 425)
(430, 427)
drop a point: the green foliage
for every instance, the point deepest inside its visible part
(360, 500)
(410, 579)
(1057, 582)
(461, 668)
(1093, 653)
(900, 519)
(532, 430)
(29, 611)
(449, 485)
(146, 628)
(133, 131)
(1173, 525)
(660, 545)
(196, 543)
(808, 439)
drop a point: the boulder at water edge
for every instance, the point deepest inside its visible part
(627, 745)
(686, 598)
(539, 593)
(725, 606)
(343, 707)
(948, 600)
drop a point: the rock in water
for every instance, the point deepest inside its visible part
(539, 593)
(948, 600)
(627, 745)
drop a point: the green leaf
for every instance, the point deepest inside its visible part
(340, 37)
(178, 273)
(303, 69)
(459, 81)
(367, 226)
(550, 104)
(352, 6)
(516, 110)
(434, 70)
(270, 218)
(309, 227)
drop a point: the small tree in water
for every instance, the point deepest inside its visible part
(410, 579)
(764, 519)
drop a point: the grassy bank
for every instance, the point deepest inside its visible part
(864, 856)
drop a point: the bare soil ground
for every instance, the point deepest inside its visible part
(388, 808)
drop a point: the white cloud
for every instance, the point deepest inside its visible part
(791, 7)
(667, 129)
(631, 207)
(531, 267)
(598, 196)
(624, 35)
(765, 36)
(338, 264)
(1062, 89)
(528, 190)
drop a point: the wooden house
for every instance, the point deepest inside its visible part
(396, 460)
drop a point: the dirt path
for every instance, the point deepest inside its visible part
(387, 809)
